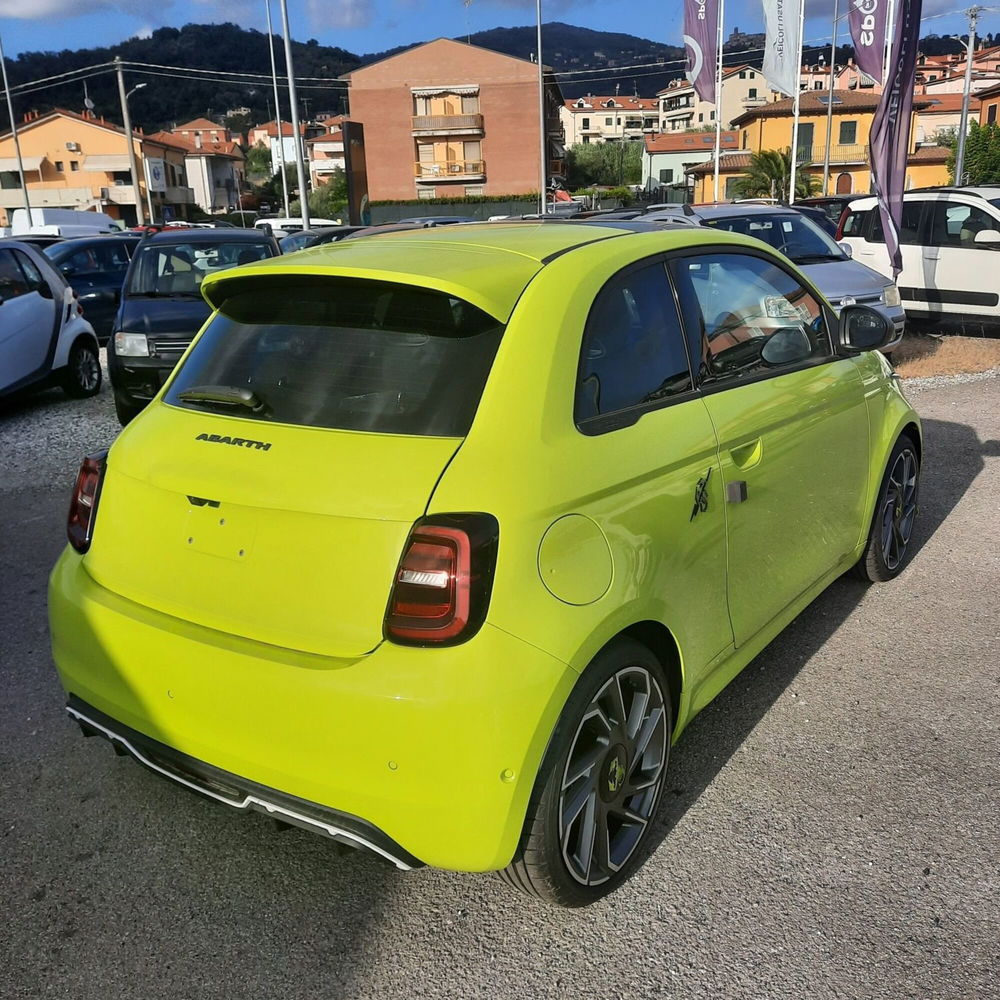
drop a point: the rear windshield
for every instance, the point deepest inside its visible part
(345, 353)
(797, 237)
(178, 269)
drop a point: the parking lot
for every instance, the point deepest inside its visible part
(831, 826)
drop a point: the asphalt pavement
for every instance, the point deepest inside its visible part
(831, 830)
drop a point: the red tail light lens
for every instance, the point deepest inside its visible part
(83, 506)
(442, 586)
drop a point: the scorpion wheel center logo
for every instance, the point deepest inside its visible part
(616, 773)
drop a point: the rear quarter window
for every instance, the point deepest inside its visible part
(347, 354)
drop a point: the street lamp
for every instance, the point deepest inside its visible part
(13, 130)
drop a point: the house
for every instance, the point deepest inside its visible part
(603, 119)
(989, 103)
(326, 154)
(213, 161)
(81, 161)
(446, 118)
(942, 113)
(665, 158)
(770, 127)
(681, 108)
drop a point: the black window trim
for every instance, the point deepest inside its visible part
(923, 223)
(604, 423)
(828, 314)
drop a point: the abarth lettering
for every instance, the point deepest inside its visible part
(239, 442)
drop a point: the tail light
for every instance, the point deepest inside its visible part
(83, 506)
(76, 301)
(442, 586)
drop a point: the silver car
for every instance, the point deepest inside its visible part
(827, 264)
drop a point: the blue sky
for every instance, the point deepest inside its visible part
(372, 25)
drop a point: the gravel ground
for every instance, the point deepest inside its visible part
(832, 825)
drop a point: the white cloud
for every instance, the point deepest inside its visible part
(146, 31)
(343, 14)
(39, 10)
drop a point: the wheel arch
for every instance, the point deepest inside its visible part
(660, 641)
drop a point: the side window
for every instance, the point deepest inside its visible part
(30, 269)
(909, 230)
(12, 280)
(955, 225)
(633, 346)
(854, 223)
(751, 317)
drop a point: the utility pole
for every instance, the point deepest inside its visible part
(277, 111)
(300, 166)
(970, 50)
(127, 121)
(543, 172)
(13, 130)
(829, 100)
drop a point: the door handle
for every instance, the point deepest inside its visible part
(746, 456)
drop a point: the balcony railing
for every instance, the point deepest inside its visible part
(176, 195)
(846, 153)
(119, 194)
(446, 124)
(450, 170)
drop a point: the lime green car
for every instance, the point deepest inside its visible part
(434, 542)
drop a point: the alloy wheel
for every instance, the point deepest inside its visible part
(88, 370)
(899, 509)
(612, 779)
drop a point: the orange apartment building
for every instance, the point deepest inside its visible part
(445, 118)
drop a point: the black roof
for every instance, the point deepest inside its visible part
(177, 235)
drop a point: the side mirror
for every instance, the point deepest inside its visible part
(786, 346)
(987, 237)
(863, 329)
(847, 248)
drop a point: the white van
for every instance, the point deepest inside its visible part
(285, 227)
(61, 222)
(949, 240)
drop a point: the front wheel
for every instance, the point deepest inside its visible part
(895, 512)
(82, 376)
(600, 784)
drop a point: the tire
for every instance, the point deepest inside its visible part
(597, 778)
(82, 375)
(125, 410)
(895, 512)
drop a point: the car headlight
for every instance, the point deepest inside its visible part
(890, 296)
(131, 345)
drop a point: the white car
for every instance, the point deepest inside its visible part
(949, 240)
(44, 339)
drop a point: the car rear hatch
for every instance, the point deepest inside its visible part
(271, 493)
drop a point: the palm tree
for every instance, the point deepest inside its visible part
(767, 177)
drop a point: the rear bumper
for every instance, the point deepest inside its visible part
(235, 791)
(437, 749)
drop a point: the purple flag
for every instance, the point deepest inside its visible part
(701, 39)
(867, 19)
(889, 143)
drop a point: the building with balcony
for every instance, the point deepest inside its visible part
(326, 155)
(446, 118)
(81, 161)
(609, 119)
(770, 128)
(214, 163)
(743, 88)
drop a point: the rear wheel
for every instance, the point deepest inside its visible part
(600, 785)
(895, 512)
(82, 376)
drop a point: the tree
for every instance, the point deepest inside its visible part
(768, 175)
(258, 163)
(328, 201)
(604, 163)
(982, 155)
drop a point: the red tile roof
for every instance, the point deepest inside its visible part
(939, 104)
(272, 128)
(199, 125)
(814, 101)
(621, 104)
(691, 141)
(231, 150)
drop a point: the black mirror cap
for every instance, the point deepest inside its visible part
(863, 329)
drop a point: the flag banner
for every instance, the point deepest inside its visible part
(781, 55)
(701, 41)
(867, 19)
(889, 143)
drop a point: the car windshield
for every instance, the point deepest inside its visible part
(995, 202)
(797, 237)
(344, 353)
(178, 269)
